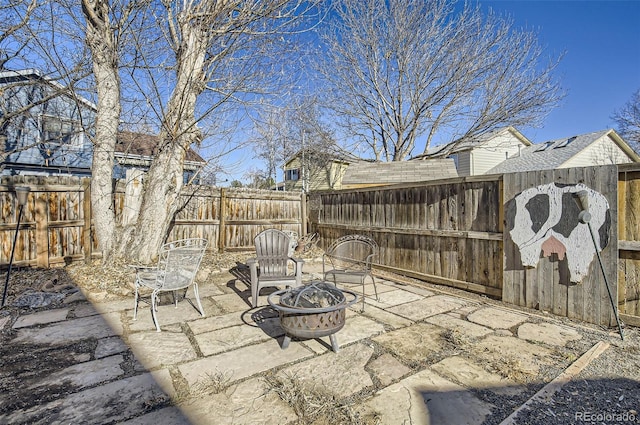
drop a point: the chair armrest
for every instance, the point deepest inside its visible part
(253, 269)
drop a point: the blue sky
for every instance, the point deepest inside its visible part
(601, 67)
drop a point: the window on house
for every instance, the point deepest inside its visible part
(59, 131)
(566, 142)
(293, 174)
(543, 147)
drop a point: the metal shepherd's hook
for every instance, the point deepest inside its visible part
(22, 194)
(585, 217)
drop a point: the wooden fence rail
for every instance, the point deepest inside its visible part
(55, 226)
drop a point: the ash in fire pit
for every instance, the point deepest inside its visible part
(312, 311)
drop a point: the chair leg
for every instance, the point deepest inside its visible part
(373, 279)
(135, 308)
(197, 295)
(154, 301)
(175, 299)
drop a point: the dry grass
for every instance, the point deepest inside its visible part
(316, 407)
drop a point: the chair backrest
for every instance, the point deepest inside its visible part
(272, 252)
(179, 262)
(353, 251)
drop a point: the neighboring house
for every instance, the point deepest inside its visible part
(477, 156)
(135, 151)
(311, 170)
(367, 174)
(43, 126)
(42, 131)
(598, 148)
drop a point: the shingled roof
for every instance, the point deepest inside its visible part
(145, 145)
(364, 174)
(555, 153)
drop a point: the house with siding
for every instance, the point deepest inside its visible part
(478, 155)
(591, 149)
(44, 124)
(313, 169)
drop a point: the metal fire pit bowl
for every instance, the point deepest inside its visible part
(312, 311)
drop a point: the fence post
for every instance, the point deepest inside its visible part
(87, 239)
(42, 230)
(223, 213)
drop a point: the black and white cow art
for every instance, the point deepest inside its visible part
(543, 220)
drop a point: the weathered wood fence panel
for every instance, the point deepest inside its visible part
(445, 231)
(548, 285)
(56, 221)
(53, 226)
(629, 241)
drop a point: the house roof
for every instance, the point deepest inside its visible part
(460, 145)
(384, 173)
(554, 153)
(29, 75)
(144, 146)
(334, 153)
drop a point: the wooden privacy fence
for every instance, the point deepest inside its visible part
(452, 232)
(56, 221)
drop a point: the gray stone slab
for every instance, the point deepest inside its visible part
(448, 321)
(496, 318)
(167, 315)
(388, 369)
(212, 323)
(87, 374)
(154, 349)
(548, 333)
(67, 331)
(40, 318)
(513, 356)
(393, 298)
(84, 310)
(426, 399)
(388, 318)
(113, 402)
(167, 416)
(110, 346)
(339, 374)
(227, 339)
(248, 403)
(412, 343)
(469, 374)
(426, 307)
(241, 363)
(232, 302)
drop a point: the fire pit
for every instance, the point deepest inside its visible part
(312, 311)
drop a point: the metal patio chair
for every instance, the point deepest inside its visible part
(176, 269)
(350, 258)
(270, 266)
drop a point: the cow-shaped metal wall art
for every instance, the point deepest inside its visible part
(543, 220)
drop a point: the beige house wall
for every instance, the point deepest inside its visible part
(602, 152)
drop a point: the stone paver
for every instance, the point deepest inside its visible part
(166, 416)
(426, 398)
(40, 318)
(392, 298)
(471, 375)
(232, 302)
(390, 319)
(247, 403)
(212, 323)
(86, 374)
(69, 330)
(517, 354)
(426, 307)
(95, 405)
(388, 369)
(339, 374)
(109, 346)
(496, 318)
(242, 363)
(413, 343)
(155, 349)
(469, 329)
(227, 339)
(548, 333)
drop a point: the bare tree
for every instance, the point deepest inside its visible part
(628, 120)
(209, 53)
(401, 73)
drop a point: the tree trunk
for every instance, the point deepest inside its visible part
(101, 41)
(165, 178)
